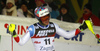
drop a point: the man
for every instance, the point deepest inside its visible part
(43, 32)
(88, 15)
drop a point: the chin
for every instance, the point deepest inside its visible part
(46, 23)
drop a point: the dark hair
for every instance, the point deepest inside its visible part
(4, 1)
(64, 6)
(88, 6)
(24, 4)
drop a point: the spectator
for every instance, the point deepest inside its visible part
(17, 3)
(64, 14)
(3, 3)
(89, 15)
(42, 3)
(55, 12)
(24, 12)
(10, 8)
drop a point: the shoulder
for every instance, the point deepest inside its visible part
(4, 9)
(19, 10)
(31, 29)
(35, 24)
(52, 23)
(93, 15)
(59, 17)
(56, 25)
(31, 26)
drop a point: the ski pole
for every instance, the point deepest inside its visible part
(90, 27)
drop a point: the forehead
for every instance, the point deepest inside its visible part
(37, 0)
(9, 3)
(86, 9)
(23, 5)
(64, 8)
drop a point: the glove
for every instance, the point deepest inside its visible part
(97, 36)
(83, 26)
(11, 30)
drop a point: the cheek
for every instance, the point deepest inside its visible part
(9, 5)
(24, 9)
(88, 10)
(45, 22)
(64, 11)
(84, 10)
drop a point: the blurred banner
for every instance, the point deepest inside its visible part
(82, 40)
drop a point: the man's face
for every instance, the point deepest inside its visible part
(45, 19)
(63, 11)
(24, 8)
(86, 11)
(9, 5)
(38, 3)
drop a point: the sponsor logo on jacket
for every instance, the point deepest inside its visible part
(37, 42)
(44, 32)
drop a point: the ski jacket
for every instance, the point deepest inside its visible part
(43, 36)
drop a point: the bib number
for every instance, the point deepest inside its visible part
(47, 41)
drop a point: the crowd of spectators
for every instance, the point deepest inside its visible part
(25, 8)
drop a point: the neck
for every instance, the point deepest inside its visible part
(42, 24)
